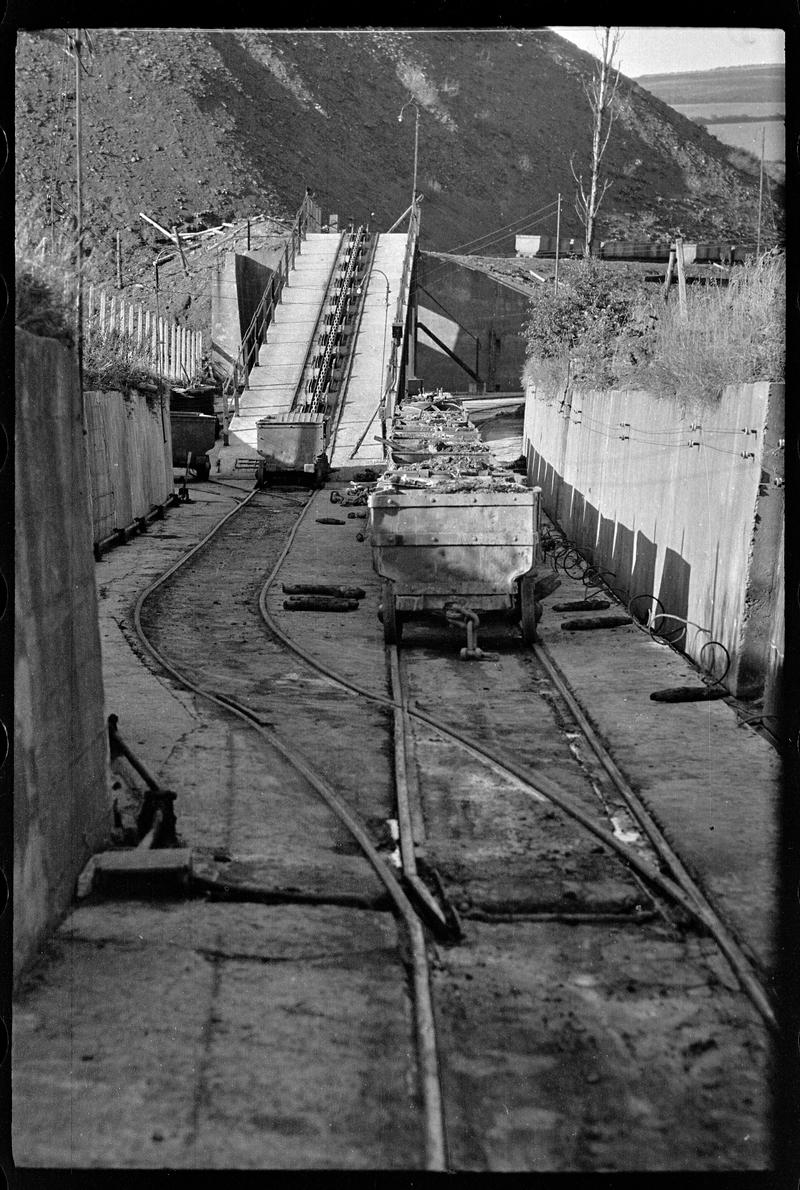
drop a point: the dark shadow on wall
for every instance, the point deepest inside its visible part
(674, 596)
(611, 551)
(252, 278)
(622, 562)
(644, 573)
(589, 522)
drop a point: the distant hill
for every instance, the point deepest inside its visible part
(237, 122)
(735, 103)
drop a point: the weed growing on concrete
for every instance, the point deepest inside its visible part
(116, 363)
(44, 268)
(732, 334)
(45, 294)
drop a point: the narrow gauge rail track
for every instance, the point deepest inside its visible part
(678, 887)
(673, 888)
(435, 1144)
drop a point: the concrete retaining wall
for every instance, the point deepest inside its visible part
(130, 457)
(237, 286)
(62, 809)
(466, 306)
(698, 526)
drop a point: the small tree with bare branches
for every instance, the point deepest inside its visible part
(600, 92)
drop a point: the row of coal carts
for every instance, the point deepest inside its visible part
(453, 532)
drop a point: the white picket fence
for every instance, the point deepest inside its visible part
(175, 352)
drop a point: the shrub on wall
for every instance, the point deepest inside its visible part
(577, 334)
(115, 363)
(42, 285)
(602, 330)
(732, 334)
(45, 306)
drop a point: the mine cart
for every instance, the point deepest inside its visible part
(196, 398)
(292, 442)
(193, 434)
(456, 552)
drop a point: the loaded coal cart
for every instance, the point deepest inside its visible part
(193, 435)
(455, 545)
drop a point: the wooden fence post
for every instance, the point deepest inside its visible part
(670, 271)
(88, 314)
(681, 275)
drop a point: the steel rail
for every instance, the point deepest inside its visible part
(319, 328)
(684, 892)
(435, 1133)
(358, 314)
(351, 254)
(435, 1146)
(724, 939)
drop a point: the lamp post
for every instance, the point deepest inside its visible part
(416, 148)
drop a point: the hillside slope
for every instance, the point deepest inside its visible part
(742, 106)
(238, 122)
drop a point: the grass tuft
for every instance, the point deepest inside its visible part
(44, 271)
(732, 334)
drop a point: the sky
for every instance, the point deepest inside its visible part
(655, 49)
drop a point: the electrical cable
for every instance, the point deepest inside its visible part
(475, 246)
(493, 234)
(478, 253)
(565, 554)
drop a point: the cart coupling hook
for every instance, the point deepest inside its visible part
(464, 617)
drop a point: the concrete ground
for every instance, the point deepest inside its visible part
(211, 1081)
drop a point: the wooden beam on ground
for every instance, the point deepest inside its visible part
(157, 226)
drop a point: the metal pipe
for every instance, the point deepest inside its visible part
(118, 744)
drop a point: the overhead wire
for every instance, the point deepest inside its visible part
(590, 423)
(496, 232)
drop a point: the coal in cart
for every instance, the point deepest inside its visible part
(456, 552)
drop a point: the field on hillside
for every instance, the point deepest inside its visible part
(734, 110)
(730, 84)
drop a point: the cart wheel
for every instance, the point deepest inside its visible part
(527, 608)
(203, 467)
(392, 627)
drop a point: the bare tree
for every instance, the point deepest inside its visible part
(600, 92)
